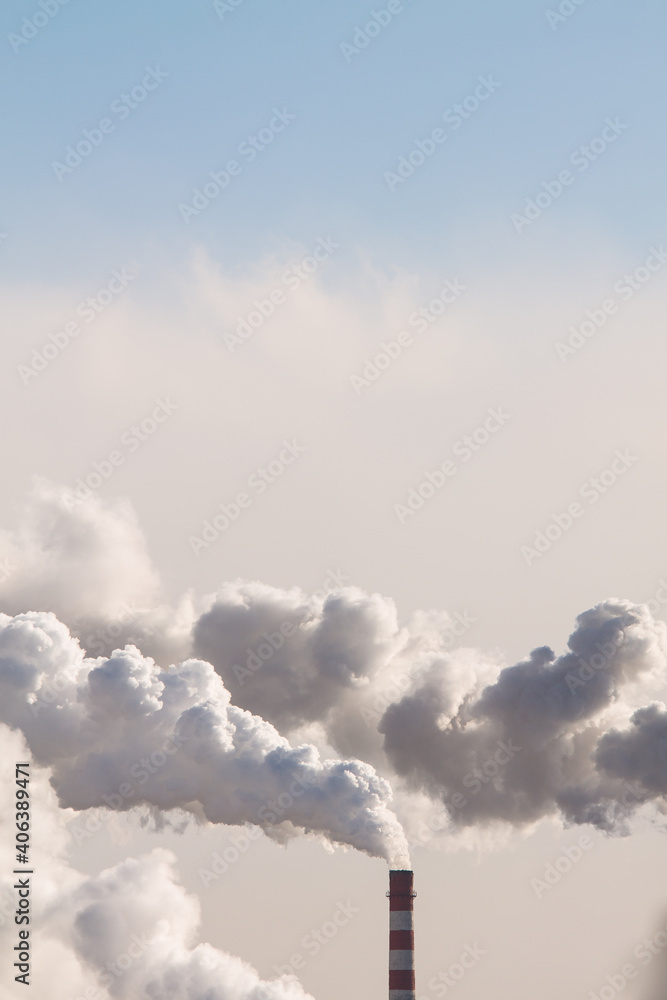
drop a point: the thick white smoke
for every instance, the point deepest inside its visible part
(299, 660)
(121, 731)
(134, 927)
(549, 736)
(130, 931)
(316, 649)
(88, 563)
(75, 559)
(534, 740)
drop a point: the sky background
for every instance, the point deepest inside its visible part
(163, 337)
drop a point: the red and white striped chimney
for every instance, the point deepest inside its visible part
(401, 936)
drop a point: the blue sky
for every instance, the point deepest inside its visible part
(353, 122)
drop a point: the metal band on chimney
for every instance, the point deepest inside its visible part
(401, 936)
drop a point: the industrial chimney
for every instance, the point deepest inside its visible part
(401, 936)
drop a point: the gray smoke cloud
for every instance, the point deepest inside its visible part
(129, 931)
(120, 731)
(88, 563)
(133, 927)
(296, 659)
(316, 650)
(638, 754)
(539, 741)
(489, 743)
(79, 560)
(330, 662)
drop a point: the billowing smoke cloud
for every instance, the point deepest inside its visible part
(316, 650)
(639, 754)
(534, 743)
(75, 559)
(296, 659)
(130, 931)
(490, 744)
(534, 740)
(121, 731)
(134, 926)
(88, 563)
(337, 660)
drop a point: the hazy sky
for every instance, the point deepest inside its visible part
(410, 341)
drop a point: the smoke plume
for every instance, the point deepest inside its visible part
(129, 931)
(539, 741)
(121, 731)
(134, 927)
(267, 676)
